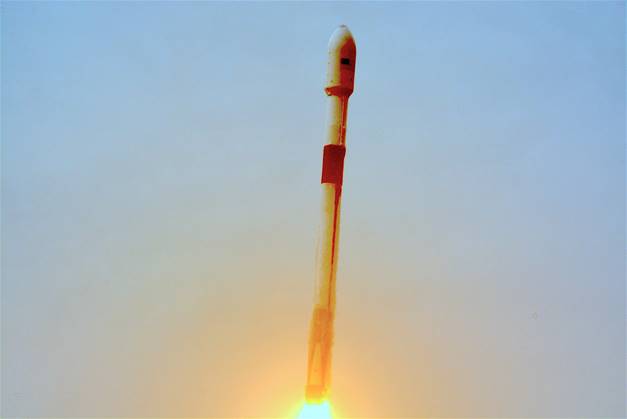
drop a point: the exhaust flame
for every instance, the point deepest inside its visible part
(316, 411)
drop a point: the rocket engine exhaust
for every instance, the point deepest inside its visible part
(339, 87)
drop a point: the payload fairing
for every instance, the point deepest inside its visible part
(339, 87)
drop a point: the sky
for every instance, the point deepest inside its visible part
(160, 200)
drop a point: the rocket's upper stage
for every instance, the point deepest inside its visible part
(341, 64)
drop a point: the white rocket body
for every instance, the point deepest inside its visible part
(339, 87)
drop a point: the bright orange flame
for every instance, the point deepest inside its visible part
(316, 411)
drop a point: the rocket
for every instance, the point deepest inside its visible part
(338, 88)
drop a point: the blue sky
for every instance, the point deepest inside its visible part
(160, 196)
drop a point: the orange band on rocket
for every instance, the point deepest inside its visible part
(333, 164)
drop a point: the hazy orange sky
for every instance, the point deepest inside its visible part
(160, 197)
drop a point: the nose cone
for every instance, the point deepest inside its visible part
(341, 64)
(342, 41)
